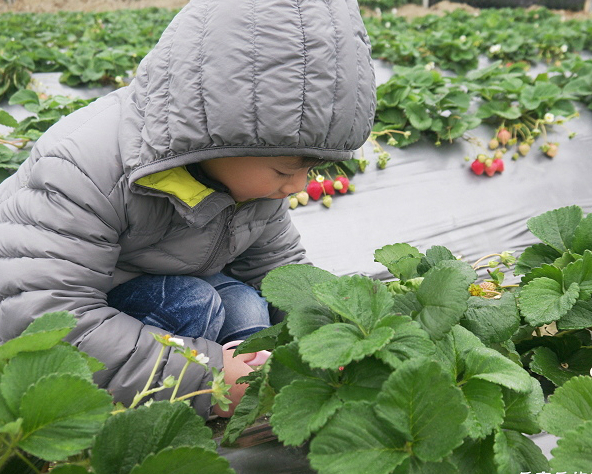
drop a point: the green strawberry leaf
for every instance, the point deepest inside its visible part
(301, 409)
(421, 401)
(492, 320)
(127, 438)
(335, 345)
(394, 117)
(558, 369)
(535, 256)
(406, 304)
(544, 271)
(443, 296)
(61, 415)
(257, 401)
(451, 349)
(543, 301)
(287, 365)
(362, 380)
(574, 451)
(26, 368)
(264, 339)
(418, 115)
(487, 364)
(409, 341)
(569, 407)
(183, 460)
(556, 228)
(514, 453)
(354, 439)
(522, 409)
(433, 256)
(486, 407)
(475, 456)
(290, 287)
(306, 320)
(401, 260)
(358, 299)
(43, 333)
(582, 239)
(580, 272)
(578, 317)
(7, 120)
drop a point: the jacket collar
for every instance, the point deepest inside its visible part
(193, 199)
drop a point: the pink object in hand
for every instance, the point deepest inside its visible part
(258, 358)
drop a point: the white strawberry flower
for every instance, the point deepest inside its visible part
(430, 66)
(201, 359)
(549, 118)
(496, 48)
(177, 340)
(564, 48)
(387, 24)
(463, 38)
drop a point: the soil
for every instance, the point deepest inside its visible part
(407, 11)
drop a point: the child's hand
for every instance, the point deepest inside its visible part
(234, 368)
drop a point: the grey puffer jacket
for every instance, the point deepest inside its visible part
(105, 195)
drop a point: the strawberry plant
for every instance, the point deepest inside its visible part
(44, 110)
(419, 100)
(15, 73)
(438, 370)
(50, 410)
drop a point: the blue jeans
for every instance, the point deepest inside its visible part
(217, 307)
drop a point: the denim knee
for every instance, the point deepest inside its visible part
(181, 305)
(246, 311)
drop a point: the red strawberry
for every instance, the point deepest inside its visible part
(490, 170)
(327, 185)
(504, 136)
(314, 189)
(344, 182)
(498, 164)
(478, 167)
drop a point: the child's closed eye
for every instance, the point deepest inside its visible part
(283, 175)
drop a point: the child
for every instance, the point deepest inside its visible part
(161, 206)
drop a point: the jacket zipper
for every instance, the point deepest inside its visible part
(221, 237)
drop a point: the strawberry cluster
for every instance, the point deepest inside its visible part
(321, 188)
(487, 165)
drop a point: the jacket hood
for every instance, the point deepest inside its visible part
(251, 78)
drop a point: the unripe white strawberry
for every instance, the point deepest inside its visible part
(293, 202)
(523, 148)
(493, 144)
(302, 197)
(552, 150)
(327, 200)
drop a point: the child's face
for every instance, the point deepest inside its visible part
(251, 177)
